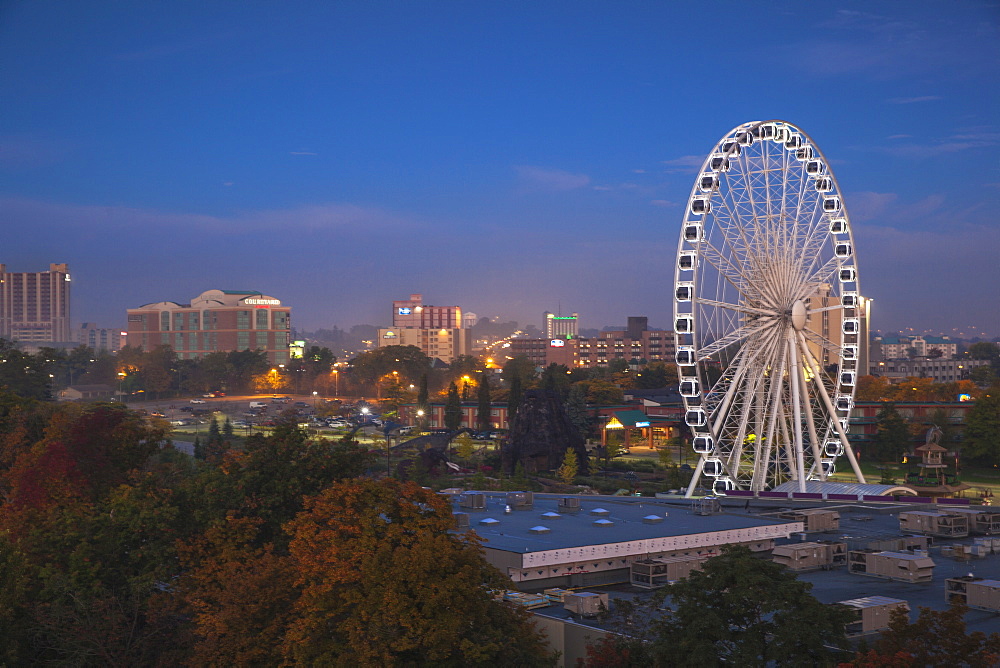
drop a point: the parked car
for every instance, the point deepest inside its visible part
(301, 403)
(157, 414)
(197, 401)
(240, 424)
(187, 409)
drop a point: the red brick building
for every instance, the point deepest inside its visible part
(216, 320)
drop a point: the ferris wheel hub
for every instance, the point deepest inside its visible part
(798, 315)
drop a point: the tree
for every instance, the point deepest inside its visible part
(386, 581)
(656, 375)
(453, 408)
(892, 435)
(912, 352)
(935, 353)
(936, 638)
(484, 413)
(423, 399)
(576, 409)
(744, 611)
(985, 350)
(570, 467)
(982, 430)
(555, 377)
(513, 398)
(408, 361)
(464, 447)
(604, 393)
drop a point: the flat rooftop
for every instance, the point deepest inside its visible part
(622, 522)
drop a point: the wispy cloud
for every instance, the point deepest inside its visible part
(26, 151)
(546, 178)
(911, 100)
(968, 138)
(899, 136)
(302, 153)
(685, 163)
(51, 218)
(663, 203)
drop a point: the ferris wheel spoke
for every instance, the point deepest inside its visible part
(737, 307)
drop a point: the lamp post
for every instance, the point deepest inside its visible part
(121, 379)
(336, 381)
(315, 395)
(420, 417)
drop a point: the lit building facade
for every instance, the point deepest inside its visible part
(560, 326)
(35, 305)
(443, 344)
(898, 347)
(215, 321)
(413, 313)
(636, 345)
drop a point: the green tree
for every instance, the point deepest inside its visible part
(423, 398)
(604, 393)
(484, 412)
(656, 375)
(985, 350)
(982, 430)
(555, 377)
(576, 409)
(514, 398)
(227, 428)
(453, 408)
(742, 610)
(464, 447)
(408, 361)
(892, 435)
(570, 467)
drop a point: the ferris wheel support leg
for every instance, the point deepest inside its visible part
(797, 413)
(695, 478)
(813, 439)
(829, 406)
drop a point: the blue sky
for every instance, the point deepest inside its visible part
(508, 157)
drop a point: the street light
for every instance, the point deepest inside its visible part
(121, 379)
(336, 380)
(315, 394)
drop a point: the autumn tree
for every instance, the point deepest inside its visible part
(570, 467)
(936, 638)
(385, 581)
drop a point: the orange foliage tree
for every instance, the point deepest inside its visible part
(386, 582)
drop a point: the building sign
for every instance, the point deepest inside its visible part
(557, 343)
(262, 302)
(405, 310)
(389, 335)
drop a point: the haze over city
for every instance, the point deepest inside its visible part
(509, 158)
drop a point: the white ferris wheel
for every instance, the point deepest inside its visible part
(767, 313)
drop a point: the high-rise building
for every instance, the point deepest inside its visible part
(559, 326)
(99, 338)
(216, 320)
(34, 305)
(439, 331)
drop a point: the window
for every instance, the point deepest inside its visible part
(262, 318)
(242, 340)
(164, 321)
(262, 340)
(243, 320)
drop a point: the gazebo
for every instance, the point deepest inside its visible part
(628, 420)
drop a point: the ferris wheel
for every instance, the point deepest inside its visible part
(767, 313)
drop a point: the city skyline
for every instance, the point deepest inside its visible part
(501, 158)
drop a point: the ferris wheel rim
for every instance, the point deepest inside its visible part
(763, 323)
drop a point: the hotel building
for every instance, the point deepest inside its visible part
(34, 305)
(438, 331)
(215, 321)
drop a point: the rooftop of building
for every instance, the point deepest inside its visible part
(619, 520)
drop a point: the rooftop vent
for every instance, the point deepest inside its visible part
(652, 519)
(539, 529)
(461, 520)
(603, 523)
(474, 501)
(600, 511)
(551, 515)
(489, 521)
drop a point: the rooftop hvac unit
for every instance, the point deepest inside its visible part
(473, 501)
(520, 500)
(569, 504)
(461, 520)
